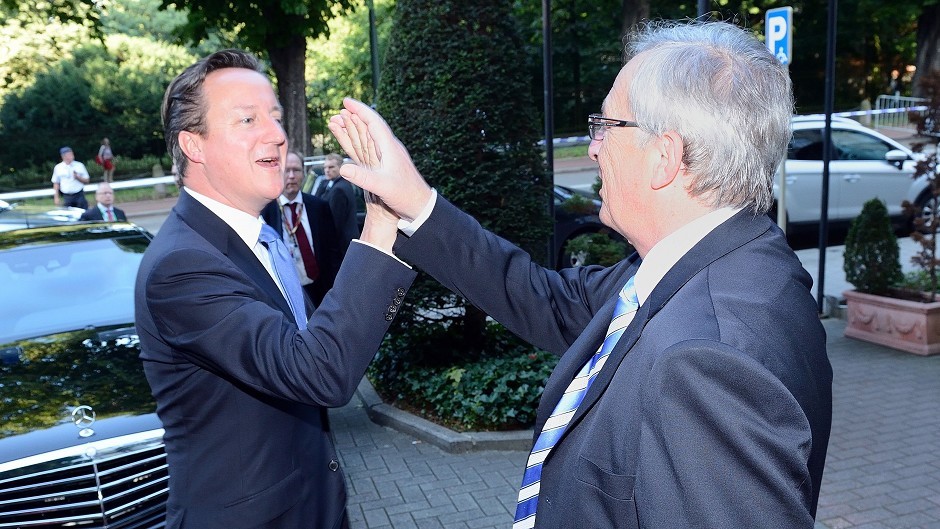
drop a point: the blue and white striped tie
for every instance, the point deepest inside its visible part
(627, 304)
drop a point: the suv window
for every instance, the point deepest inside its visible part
(806, 145)
(853, 145)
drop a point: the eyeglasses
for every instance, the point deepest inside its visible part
(598, 125)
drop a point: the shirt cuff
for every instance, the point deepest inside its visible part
(409, 228)
(370, 245)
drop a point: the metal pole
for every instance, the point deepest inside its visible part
(374, 49)
(827, 151)
(548, 96)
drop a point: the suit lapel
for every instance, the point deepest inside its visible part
(220, 235)
(733, 233)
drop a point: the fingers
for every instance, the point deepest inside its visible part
(338, 129)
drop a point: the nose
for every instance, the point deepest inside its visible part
(275, 133)
(594, 149)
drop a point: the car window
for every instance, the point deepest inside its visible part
(58, 287)
(855, 145)
(806, 144)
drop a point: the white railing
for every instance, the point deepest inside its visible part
(894, 111)
(151, 181)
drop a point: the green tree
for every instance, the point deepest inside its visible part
(113, 90)
(278, 27)
(451, 90)
(339, 64)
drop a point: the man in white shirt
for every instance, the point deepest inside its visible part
(68, 180)
(712, 406)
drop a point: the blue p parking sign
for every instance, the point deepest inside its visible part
(778, 26)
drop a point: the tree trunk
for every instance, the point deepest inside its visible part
(290, 70)
(632, 12)
(928, 42)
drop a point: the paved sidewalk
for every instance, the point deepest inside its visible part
(882, 471)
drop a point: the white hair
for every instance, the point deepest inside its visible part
(726, 95)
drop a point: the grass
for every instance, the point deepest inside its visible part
(570, 151)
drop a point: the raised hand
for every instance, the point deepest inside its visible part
(383, 165)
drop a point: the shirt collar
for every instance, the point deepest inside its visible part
(247, 227)
(667, 252)
(283, 201)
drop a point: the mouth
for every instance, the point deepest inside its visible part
(269, 162)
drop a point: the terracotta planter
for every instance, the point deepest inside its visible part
(910, 326)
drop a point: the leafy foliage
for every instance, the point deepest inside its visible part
(872, 257)
(596, 248)
(98, 91)
(339, 64)
(926, 215)
(498, 392)
(451, 91)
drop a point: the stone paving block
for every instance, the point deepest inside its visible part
(868, 516)
(375, 517)
(433, 512)
(402, 521)
(430, 523)
(409, 507)
(410, 492)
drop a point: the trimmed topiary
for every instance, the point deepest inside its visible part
(872, 261)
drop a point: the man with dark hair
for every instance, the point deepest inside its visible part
(693, 388)
(342, 199)
(242, 369)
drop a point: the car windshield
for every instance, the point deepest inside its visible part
(60, 287)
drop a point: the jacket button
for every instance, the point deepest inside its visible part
(334, 465)
(401, 291)
(389, 317)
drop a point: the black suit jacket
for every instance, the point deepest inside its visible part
(94, 213)
(713, 409)
(241, 392)
(342, 199)
(326, 244)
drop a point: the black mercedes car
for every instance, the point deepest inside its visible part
(80, 442)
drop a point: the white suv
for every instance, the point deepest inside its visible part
(864, 164)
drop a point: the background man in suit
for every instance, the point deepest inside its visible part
(241, 370)
(342, 199)
(104, 209)
(709, 404)
(306, 225)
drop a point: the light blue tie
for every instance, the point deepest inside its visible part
(286, 273)
(555, 426)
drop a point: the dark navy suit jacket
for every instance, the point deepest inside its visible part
(241, 392)
(713, 409)
(94, 213)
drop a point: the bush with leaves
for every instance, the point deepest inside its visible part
(872, 257)
(452, 92)
(500, 391)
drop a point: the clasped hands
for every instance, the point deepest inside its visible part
(383, 168)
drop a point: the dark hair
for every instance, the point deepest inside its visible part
(184, 107)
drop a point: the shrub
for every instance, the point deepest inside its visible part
(595, 248)
(872, 261)
(499, 392)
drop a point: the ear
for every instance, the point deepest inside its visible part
(670, 149)
(191, 145)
